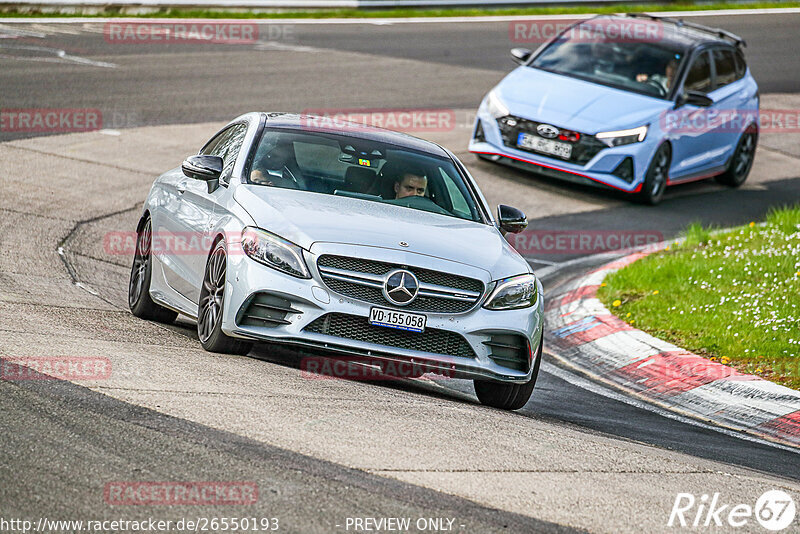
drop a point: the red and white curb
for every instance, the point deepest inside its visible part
(587, 336)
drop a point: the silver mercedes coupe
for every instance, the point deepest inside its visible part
(341, 239)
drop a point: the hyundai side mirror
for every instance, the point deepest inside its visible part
(521, 55)
(511, 220)
(695, 98)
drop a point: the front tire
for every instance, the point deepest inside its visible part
(741, 161)
(210, 308)
(655, 181)
(508, 396)
(139, 301)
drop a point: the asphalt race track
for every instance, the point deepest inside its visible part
(299, 66)
(579, 455)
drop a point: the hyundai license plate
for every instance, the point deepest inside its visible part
(546, 146)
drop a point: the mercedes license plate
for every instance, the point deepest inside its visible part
(413, 322)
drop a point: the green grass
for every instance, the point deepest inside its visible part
(732, 296)
(391, 13)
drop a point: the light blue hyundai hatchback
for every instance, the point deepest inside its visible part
(634, 103)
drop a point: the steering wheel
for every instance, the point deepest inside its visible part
(420, 203)
(655, 83)
(298, 178)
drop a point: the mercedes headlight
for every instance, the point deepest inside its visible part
(495, 106)
(274, 251)
(623, 137)
(513, 293)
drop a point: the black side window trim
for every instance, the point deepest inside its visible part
(741, 64)
(701, 52)
(737, 76)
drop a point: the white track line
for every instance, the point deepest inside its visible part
(56, 55)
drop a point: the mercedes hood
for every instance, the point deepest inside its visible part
(306, 218)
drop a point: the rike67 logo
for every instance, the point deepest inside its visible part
(775, 510)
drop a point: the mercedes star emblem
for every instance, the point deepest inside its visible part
(401, 287)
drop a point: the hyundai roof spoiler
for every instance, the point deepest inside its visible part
(738, 41)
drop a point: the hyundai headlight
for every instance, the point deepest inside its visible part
(513, 293)
(495, 106)
(623, 137)
(274, 251)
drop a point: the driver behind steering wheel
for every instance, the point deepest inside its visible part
(277, 168)
(665, 80)
(411, 183)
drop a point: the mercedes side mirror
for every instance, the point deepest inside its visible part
(205, 168)
(521, 55)
(511, 220)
